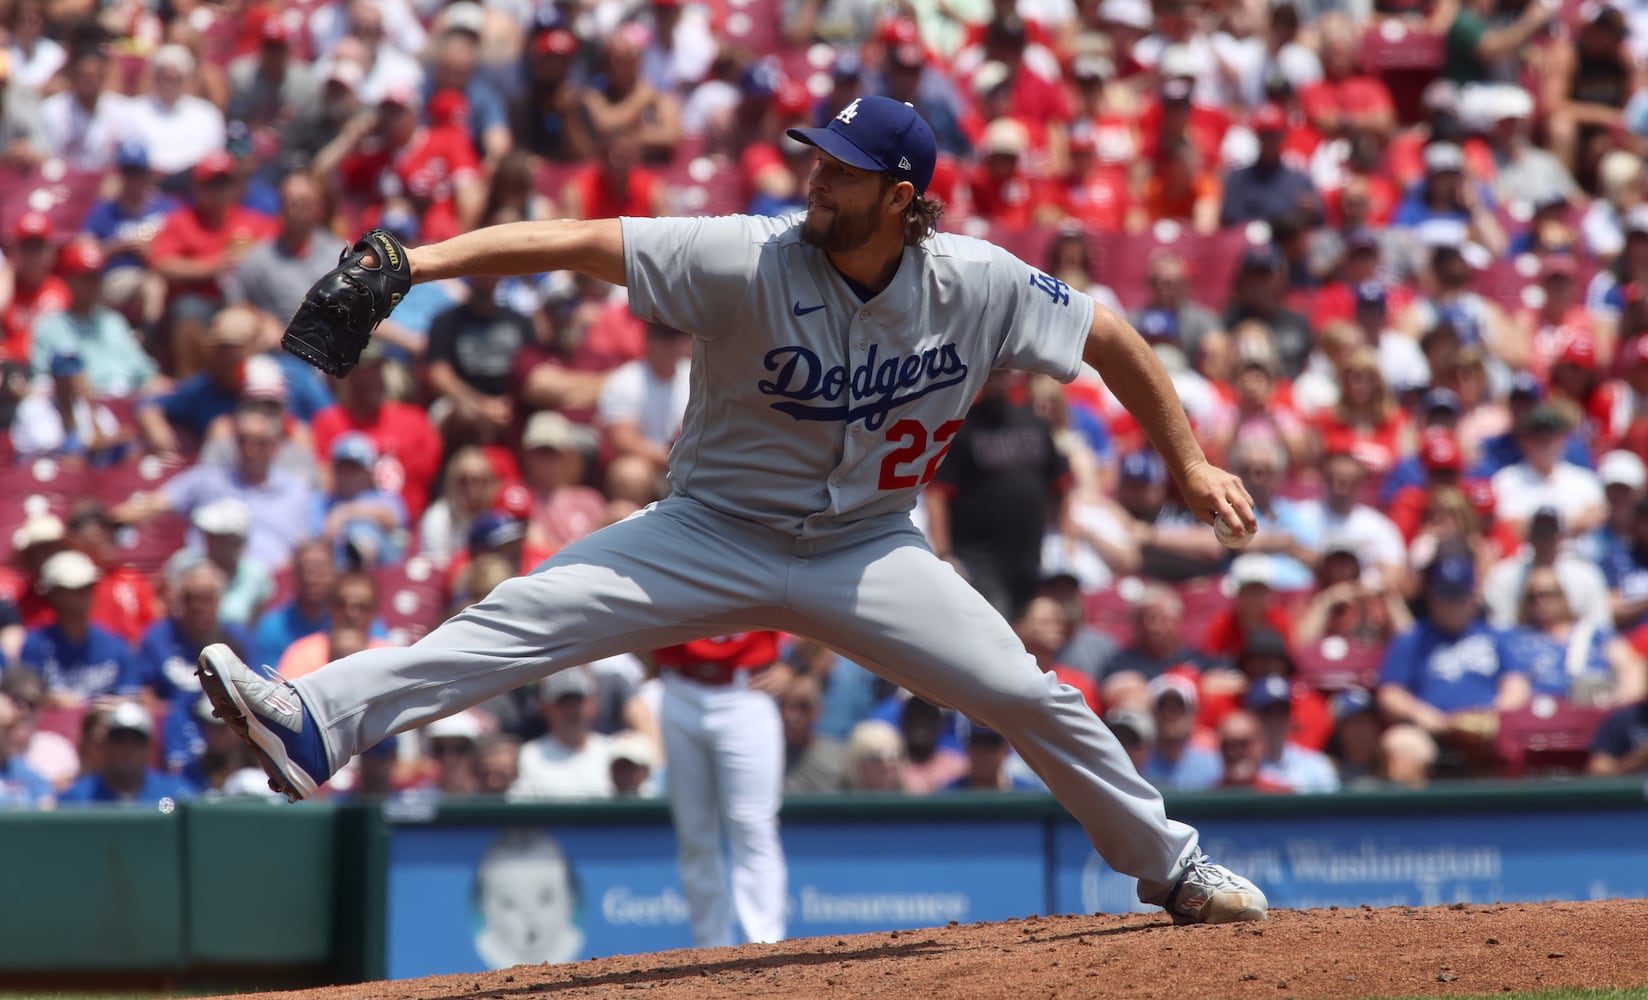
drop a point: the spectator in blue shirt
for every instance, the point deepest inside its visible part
(307, 612)
(1446, 193)
(1450, 666)
(1504, 450)
(1620, 745)
(1174, 763)
(124, 775)
(77, 660)
(1306, 771)
(1626, 571)
(183, 415)
(20, 787)
(164, 664)
(281, 504)
(126, 224)
(1268, 189)
(987, 770)
(366, 525)
(1584, 661)
(1623, 478)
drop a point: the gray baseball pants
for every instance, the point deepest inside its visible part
(679, 571)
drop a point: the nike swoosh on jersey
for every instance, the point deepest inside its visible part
(810, 309)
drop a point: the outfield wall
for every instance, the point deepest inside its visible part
(355, 892)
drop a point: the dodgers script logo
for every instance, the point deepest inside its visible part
(868, 393)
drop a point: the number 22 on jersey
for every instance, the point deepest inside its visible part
(898, 469)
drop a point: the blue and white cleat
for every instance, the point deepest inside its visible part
(1207, 893)
(271, 719)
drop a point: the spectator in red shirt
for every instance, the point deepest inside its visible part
(1173, 118)
(1091, 192)
(123, 599)
(616, 184)
(1000, 186)
(35, 289)
(198, 243)
(1041, 627)
(41, 537)
(1366, 422)
(1336, 301)
(1254, 608)
(1541, 335)
(773, 167)
(409, 449)
(1346, 100)
(1180, 189)
(367, 147)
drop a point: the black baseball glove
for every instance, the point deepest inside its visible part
(335, 322)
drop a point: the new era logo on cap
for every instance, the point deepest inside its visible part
(879, 134)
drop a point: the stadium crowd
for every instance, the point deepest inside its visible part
(1393, 252)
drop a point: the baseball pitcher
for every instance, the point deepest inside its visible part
(835, 355)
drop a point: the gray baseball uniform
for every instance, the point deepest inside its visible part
(815, 420)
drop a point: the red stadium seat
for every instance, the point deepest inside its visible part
(1111, 613)
(1406, 59)
(1334, 664)
(150, 544)
(411, 599)
(1547, 736)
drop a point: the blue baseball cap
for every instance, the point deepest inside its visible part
(1159, 324)
(355, 447)
(1452, 575)
(495, 528)
(1526, 384)
(1349, 702)
(1144, 466)
(131, 155)
(1370, 294)
(1271, 689)
(880, 134)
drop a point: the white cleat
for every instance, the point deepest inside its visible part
(1207, 893)
(267, 715)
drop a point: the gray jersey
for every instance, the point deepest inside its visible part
(810, 409)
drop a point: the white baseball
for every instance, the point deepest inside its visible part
(1229, 537)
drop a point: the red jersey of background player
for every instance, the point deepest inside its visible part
(739, 651)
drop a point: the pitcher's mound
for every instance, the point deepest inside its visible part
(1435, 951)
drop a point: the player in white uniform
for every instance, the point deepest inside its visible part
(835, 356)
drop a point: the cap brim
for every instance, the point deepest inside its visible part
(836, 145)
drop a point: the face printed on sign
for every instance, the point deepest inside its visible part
(527, 902)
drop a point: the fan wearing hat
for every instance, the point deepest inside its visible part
(1268, 189)
(545, 117)
(78, 659)
(1178, 759)
(37, 539)
(555, 454)
(1253, 606)
(123, 225)
(1501, 451)
(402, 432)
(115, 363)
(125, 734)
(205, 239)
(269, 87)
(1624, 479)
(572, 761)
(247, 584)
(1282, 760)
(1544, 479)
(1361, 263)
(365, 524)
(1449, 669)
(1446, 193)
(773, 167)
(64, 420)
(36, 290)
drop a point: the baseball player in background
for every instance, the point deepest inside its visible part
(835, 354)
(725, 744)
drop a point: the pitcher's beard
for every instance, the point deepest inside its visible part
(839, 233)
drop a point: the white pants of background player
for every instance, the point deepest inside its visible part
(679, 571)
(725, 747)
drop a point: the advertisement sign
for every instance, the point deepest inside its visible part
(1412, 860)
(471, 898)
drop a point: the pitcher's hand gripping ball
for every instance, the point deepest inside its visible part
(1231, 537)
(335, 322)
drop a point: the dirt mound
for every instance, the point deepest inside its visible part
(1436, 951)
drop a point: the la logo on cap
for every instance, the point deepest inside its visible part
(849, 112)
